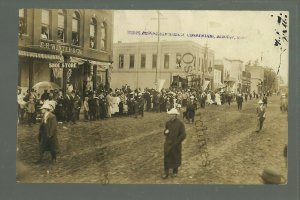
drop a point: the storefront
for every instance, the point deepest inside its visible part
(66, 71)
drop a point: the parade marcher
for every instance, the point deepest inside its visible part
(265, 100)
(239, 101)
(141, 104)
(86, 108)
(59, 109)
(68, 107)
(228, 98)
(109, 104)
(155, 102)
(218, 99)
(75, 107)
(92, 107)
(31, 110)
(45, 95)
(191, 108)
(203, 100)
(175, 134)
(261, 115)
(102, 106)
(47, 136)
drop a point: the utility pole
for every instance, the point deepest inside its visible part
(157, 47)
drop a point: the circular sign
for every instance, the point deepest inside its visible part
(187, 58)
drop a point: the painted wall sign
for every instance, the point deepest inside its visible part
(60, 48)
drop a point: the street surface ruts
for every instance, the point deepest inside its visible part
(128, 150)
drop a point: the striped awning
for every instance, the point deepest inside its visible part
(39, 55)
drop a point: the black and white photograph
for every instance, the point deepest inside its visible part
(152, 96)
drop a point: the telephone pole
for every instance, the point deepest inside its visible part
(157, 48)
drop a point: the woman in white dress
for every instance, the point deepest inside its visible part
(208, 98)
(218, 99)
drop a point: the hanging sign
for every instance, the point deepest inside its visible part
(69, 65)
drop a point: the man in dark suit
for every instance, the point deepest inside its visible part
(239, 101)
(175, 134)
(48, 133)
(261, 115)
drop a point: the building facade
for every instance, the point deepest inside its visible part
(65, 46)
(174, 63)
(257, 77)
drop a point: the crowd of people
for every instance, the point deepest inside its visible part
(104, 103)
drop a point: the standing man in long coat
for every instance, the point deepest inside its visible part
(175, 134)
(48, 133)
(261, 115)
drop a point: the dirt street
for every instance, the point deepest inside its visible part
(127, 150)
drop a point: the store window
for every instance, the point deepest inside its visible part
(75, 28)
(45, 30)
(143, 61)
(131, 61)
(61, 26)
(166, 61)
(93, 33)
(22, 21)
(121, 61)
(103, 29)
(154, 61)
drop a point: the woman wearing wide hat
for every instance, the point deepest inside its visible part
(175, 134)
(48, 133)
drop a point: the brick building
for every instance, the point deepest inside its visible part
(63, 46)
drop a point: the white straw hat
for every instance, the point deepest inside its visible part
(260, 101)
(47, 106)
(173, 111)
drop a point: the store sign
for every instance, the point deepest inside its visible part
(60, 48)
(63, 65)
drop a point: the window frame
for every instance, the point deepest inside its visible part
(46, 26)
(166, 55)
(143, 64)
(121, 56)
(93, 22)
(154, 61)
(62, 29)
(103, 40)
(76, 16)
(23, 27)
(131, 61)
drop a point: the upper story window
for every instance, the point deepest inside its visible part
(143, 61)
(61, 21)
(75, 28)
(45, 29)
(131, 61)
(103, 30)
(121, 61)
(154, 61)
(93, 33)
(22, 21)
(166, 61)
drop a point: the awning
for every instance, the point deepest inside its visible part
(39, 55)
(80, 61)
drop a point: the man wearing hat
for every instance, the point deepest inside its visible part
(48, 133)
(191, 108)
(175, 134)
(261, 115)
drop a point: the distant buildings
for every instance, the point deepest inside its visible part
(176, 63)
(257, 77)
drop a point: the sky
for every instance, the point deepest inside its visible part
(257, 29)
